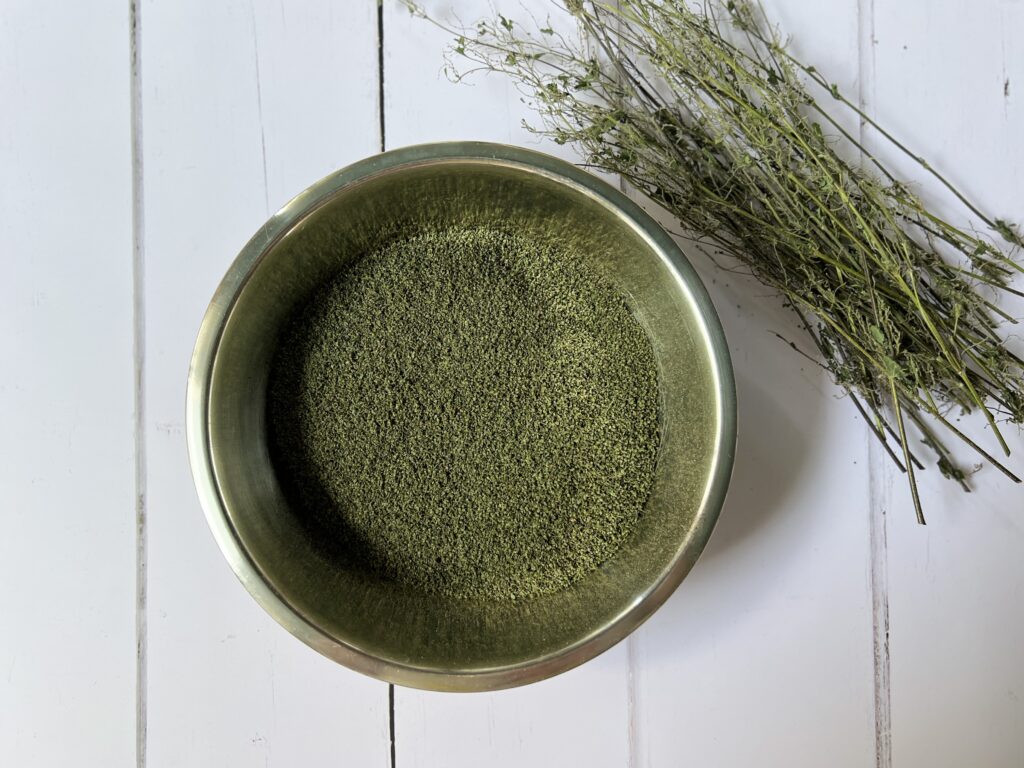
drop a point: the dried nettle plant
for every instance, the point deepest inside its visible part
(706, 111)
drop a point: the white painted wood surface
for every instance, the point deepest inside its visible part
(763, 656)
(822, 626)
(952, 81)
(242, 106)
(67, 545)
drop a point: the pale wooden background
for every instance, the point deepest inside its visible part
(142, 142)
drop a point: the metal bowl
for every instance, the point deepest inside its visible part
(380, 628)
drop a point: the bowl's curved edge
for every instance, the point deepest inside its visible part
(249, 573)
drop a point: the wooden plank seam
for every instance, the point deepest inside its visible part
(877, 467)
(139, 358)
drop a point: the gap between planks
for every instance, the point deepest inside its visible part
(383, 148)
(632, 640)
(139, 359)
(877, 467)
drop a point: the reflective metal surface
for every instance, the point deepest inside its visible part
(380, 628)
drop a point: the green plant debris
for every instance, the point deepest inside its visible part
(467, 412)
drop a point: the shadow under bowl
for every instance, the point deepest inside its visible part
(379, 627)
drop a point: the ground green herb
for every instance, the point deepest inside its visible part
(467, 412)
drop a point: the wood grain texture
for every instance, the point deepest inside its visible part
(243, 105)
(944, 82)
(67, 552)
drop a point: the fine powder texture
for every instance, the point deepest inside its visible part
(467, 412)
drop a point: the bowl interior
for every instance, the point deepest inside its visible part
(384, 621)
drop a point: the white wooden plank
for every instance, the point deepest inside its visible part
(578, 718)
(581, 717)
(948, 79)
(67, 553)
(423, 105)
(763, 656)
(244, 105)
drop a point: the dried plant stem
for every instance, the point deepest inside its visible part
(705, 111)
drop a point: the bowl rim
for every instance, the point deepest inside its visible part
(247, 569)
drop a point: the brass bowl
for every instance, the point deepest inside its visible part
(380, 628)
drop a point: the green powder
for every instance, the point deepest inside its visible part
(467, 412)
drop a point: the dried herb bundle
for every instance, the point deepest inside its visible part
(706, 112)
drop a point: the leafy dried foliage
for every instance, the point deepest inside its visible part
(705, 111)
